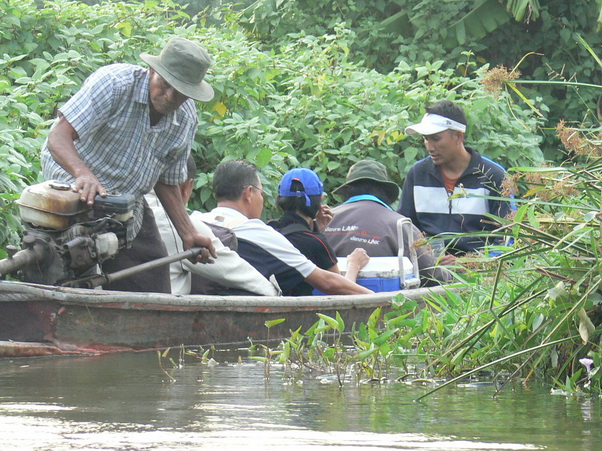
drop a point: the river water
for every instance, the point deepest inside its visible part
(127, 402)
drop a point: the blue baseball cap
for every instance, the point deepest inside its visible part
(311, 184)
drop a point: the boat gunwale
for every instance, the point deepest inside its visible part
(11, 291)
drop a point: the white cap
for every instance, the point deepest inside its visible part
(433, 123)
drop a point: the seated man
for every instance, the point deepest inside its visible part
(239, 194)
(229, 274)
(437, 189)
(366, 220)
(300, 196)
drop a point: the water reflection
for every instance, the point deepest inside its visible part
(126, 402)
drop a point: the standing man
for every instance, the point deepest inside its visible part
(129, 129)
(437, 191)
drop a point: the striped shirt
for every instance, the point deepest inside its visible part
(111, 116)
(434, 211)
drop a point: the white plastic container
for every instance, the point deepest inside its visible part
(383, 274)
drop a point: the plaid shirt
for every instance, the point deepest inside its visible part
(110, 114)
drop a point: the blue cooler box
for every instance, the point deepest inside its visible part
(382, 274)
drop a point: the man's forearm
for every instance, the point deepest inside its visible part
(171, 199)
(61, 144)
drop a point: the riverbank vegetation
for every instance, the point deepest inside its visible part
(306, 101)
(325, 84)
(532, 313)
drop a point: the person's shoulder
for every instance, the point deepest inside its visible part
(196, 217)
(262, 231)
(278, 223)
(256, 226)
(117, 75)
(493, 164)
(340, 208)
(189, 109)
(119, 70)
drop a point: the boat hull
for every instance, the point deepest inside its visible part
(57, 320)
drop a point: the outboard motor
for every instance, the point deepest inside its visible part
(63, 237)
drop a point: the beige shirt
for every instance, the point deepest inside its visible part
(228, 268)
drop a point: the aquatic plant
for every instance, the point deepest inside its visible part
(165, 356)
(267, 351)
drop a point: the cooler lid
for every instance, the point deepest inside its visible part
(380, 267)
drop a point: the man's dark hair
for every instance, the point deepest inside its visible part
(289, 203)
(232, 177)
(190, 168)
(365, 186)
(449, 109)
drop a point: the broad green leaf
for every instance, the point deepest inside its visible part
(330, 320)
(341, 323)
(367, 353)
(382, 338)
(125, 28)
(263, 157)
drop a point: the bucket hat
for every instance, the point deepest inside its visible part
(370, 170)
(311, 184)
(183, 64)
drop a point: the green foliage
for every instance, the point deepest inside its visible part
(277, 22)
(46, 53)
(384, 34)
(306, 103)
(303, 102)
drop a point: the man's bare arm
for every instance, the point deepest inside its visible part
(171, 199)
(62, 148)
(333, 283)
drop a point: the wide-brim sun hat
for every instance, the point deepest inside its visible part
(183, 64)
(434, 123)
(370, 170)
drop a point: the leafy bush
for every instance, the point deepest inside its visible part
(304, 102)
(47, 52)
(498, 32)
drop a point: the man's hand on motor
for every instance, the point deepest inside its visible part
(87, 185)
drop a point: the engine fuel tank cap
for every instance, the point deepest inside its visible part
(59, 185)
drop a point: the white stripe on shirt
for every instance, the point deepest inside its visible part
(429, 199)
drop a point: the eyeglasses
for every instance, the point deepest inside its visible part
(261, 191)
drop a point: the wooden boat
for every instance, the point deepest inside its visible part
(41, 319)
